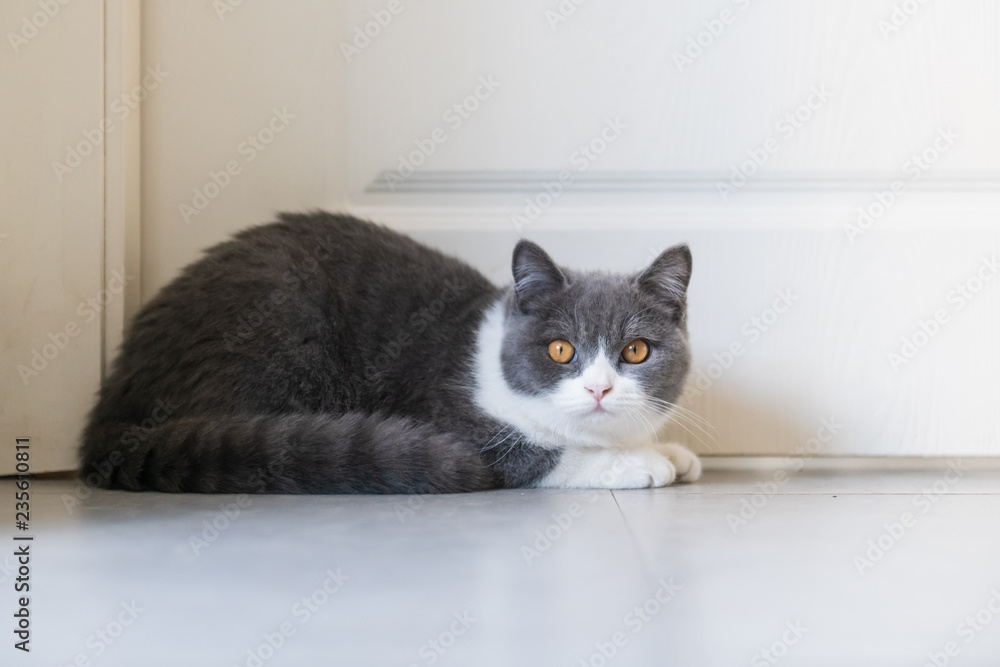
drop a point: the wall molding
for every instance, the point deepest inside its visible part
(797, 211)
(527, 181)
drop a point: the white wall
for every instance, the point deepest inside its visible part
(857, 296)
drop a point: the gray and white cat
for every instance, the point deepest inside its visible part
(326, 354)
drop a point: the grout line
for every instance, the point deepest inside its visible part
(647, 565)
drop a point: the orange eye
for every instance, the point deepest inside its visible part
(561, 351)
(636, 351)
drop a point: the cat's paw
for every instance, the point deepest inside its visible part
(686, 462)
(640, 469)
(610, 469)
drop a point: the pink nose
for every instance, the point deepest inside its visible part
(599, 390)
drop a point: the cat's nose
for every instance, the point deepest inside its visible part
(599, 390)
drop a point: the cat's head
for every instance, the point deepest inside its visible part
(593, 358)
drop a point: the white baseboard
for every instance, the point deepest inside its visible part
(846, 463)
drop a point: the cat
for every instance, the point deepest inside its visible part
(326, 354)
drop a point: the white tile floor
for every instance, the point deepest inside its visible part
(473, 579)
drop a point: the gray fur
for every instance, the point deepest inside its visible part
(597, 312)
(325, 354)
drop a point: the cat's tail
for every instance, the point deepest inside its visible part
(301, 453)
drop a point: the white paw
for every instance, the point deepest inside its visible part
(594, 468)
(640, 469)
(686, 462)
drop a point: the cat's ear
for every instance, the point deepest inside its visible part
(535, 275)
(667, 278)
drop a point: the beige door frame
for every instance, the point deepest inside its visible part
(122, 182)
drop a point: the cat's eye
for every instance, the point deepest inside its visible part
(561, 351)
(636, 351)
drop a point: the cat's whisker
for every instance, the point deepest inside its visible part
(505, 438)
(666, 402)
(670, 414)
(678, 416)
(555, 428)
(629, 413)
(681, 419)
(649, 424)
(495, 436)
(679, 408)
(489, 444)
(711, 447)
(518, 441)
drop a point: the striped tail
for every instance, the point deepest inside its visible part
(298, 453)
